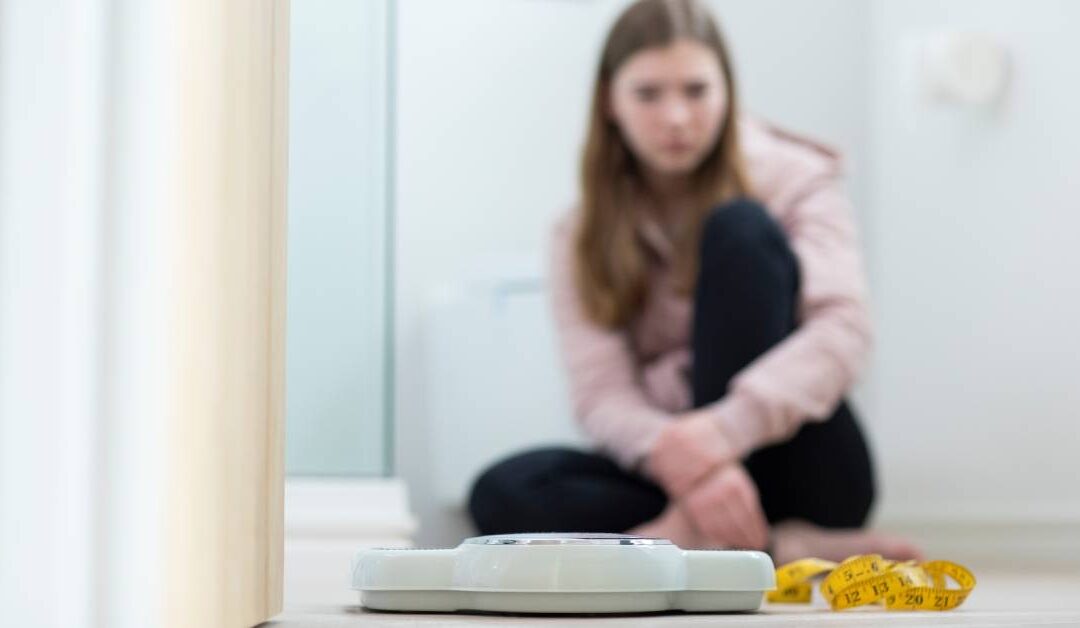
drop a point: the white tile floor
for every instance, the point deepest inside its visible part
(1002, 598)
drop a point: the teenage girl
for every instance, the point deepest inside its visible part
(711, 306)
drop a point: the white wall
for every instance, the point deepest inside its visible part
(974, 221)
(491, 101)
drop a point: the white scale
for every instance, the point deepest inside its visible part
(562, 573)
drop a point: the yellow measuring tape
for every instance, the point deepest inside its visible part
(871, 579)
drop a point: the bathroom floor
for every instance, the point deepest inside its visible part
(1001, 598)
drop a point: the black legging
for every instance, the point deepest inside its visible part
(744, 304)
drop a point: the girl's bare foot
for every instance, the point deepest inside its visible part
(795, 539)
(673, 525)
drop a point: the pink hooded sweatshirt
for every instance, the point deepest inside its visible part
(626, 383)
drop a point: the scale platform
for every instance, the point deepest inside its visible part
(562, 573)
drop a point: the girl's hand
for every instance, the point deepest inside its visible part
(689, 449)
(726, 509)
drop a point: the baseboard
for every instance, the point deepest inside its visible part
(326, 521)
(1034, 544)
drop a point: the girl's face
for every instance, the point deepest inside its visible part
(669, 103)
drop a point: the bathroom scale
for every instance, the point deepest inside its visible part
(562, 573)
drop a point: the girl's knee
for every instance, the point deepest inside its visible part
(743, 228)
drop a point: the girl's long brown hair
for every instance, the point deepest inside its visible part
(611, 262)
